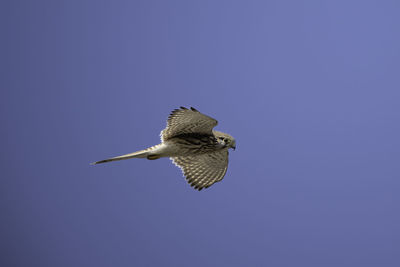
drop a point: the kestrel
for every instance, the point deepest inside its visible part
(191, 143)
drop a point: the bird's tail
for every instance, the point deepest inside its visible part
(149, 153)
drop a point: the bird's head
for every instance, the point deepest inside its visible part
(225, 139)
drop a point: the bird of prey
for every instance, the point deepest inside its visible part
(192, 144)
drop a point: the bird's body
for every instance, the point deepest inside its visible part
(190, 142)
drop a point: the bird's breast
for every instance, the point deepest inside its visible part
(194, 143)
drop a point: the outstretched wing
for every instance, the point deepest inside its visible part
(201, 171)
(186, 121)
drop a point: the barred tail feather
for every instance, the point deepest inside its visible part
(146, 153)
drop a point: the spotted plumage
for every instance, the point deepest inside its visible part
(192, 144)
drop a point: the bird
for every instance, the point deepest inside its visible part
(191, 143)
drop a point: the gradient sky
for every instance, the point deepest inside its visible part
(309, 89)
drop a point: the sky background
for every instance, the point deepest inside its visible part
(309, 89)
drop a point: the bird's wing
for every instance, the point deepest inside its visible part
(201, 171)
(186, 121)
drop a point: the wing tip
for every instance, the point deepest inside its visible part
(185, 108)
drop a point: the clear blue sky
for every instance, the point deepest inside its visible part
(309, 89)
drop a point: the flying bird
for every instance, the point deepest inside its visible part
(191, 143)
